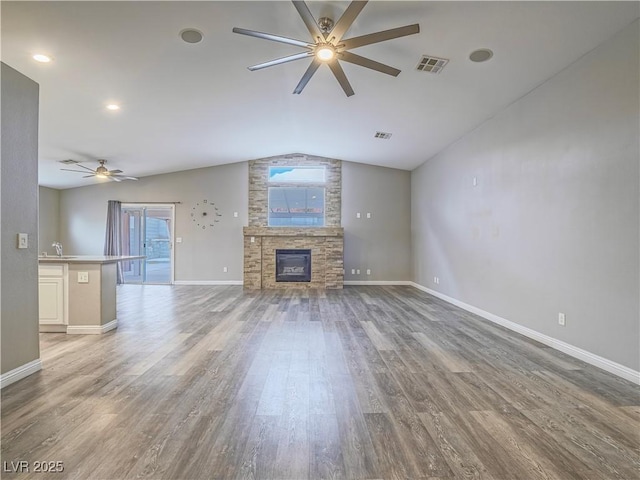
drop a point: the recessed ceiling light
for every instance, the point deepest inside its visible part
(39, 57)
(481, 55)
(191, 35)
(113, 106)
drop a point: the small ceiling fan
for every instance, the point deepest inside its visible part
(101, 172)
(328, 45)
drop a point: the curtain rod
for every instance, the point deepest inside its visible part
(151, 203)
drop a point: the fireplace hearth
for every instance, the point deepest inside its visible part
(293, 265)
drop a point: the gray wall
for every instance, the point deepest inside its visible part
(381, 243)
(203, 253)
(19, 212)
(48, 219)
(553, 224)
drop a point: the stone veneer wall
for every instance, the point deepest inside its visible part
(258, 186)
(261, 241)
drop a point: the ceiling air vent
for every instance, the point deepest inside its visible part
(69, 162)
(382, 135)
(430, 64)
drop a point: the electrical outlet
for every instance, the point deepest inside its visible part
(368, 215)
(224, 269)
(368, 271)
(562, 320)
(358, 271)
(235, 214)
(353, 271)
(253, 239)
(83, 277)
(358, 215)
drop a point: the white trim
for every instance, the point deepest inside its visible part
(91, 329)
(19, 373)
(591, 358)
(208, 282)
(377, 282)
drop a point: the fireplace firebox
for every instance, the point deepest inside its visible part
(293, 265)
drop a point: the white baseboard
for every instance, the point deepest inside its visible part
(377, 282)
(91, 329)
(588, 357)
(19, 373)
(208, 282)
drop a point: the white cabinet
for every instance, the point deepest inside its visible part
(53, 294)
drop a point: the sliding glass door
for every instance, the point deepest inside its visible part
(148, 230)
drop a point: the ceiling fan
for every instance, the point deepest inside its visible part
(328, 45)
(101, 172)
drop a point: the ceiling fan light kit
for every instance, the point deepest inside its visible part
(328, 46)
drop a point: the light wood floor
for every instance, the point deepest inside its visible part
(367, 383)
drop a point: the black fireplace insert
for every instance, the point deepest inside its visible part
(293, 265)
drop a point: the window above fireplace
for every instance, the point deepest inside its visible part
(296, 196)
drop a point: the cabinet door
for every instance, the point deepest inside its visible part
(51, 296)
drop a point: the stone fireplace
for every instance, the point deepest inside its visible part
(264, 245)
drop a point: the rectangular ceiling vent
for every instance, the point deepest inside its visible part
(431, 64)
(382, 135)
(69, 162)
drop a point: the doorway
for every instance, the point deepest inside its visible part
(148, 230)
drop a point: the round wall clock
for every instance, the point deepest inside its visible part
(205, 214)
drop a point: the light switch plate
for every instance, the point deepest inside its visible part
(178, 239)
(368, 215)
(83, 277)
(23, 240)
(235, 214)
(358, 215)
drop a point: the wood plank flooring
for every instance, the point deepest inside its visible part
(364, 383)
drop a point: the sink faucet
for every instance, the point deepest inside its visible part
(58, 247)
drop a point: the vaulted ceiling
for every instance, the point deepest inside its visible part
(187, 106)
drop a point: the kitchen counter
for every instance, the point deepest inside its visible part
(77, 293)
(99, 259)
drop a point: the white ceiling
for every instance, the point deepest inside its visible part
(188, 106)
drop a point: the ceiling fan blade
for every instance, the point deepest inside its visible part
(279, 61)
(365, 62)
(307, 75)
(114, 172)
(114, 178)
(124, 177)
(337, 70)
(269, 36)
(78, 171)
(89, 176)
(309, 21)
(81, 166)
(347, 18)
(380, 36)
